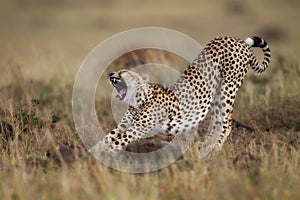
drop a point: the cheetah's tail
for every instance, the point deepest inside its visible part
(259, 42)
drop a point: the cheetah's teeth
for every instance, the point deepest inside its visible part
(121, 93)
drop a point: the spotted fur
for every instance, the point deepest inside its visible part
(210, 82)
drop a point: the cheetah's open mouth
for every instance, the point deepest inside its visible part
(120, 86)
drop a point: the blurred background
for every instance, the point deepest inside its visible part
(50, 38)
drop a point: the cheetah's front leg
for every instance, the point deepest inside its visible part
(105, 143)
(140, 127)
(136, 131)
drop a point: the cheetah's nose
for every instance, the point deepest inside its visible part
(111, 74)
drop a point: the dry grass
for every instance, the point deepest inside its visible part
(42, 44)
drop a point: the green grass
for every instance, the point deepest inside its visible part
(42, 46)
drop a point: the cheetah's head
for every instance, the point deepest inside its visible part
(131, 87)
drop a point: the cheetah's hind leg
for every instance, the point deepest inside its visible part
(214, 129)
(221, 123)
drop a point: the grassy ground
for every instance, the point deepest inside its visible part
(44, 42)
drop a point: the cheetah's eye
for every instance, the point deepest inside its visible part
(114, 80)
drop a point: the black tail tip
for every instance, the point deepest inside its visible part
(256, 41)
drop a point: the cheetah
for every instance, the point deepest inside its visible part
(210, 82)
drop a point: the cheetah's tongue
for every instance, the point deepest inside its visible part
(121, 93)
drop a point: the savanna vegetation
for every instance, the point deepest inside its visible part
(43, 43)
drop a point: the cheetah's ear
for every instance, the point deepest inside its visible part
(145, 77)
